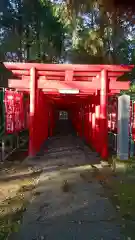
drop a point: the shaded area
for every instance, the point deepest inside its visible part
(64, 128)
(69, 203)
(5, 74)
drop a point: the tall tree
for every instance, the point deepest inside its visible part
(30, 31)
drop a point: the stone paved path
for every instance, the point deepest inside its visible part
(83, 212)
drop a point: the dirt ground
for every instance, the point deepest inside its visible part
(77, 183)
(70, 200)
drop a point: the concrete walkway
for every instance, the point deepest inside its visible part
(70, 203)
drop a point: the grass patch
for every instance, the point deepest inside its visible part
(119, 186)
(122, 195)
(11, 217)
(123, 166)
(13, 208)
(118, 180)
(124, 191)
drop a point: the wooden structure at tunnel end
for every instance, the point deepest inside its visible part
(82, 89)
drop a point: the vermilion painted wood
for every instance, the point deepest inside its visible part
(64, 67)
(55, 73)
(62, 74)
(21, 72)
(103, 114)
(13, 83)
(93, 123)
(41, 120)
(116, 85)
(82, 85)
(68, 76)
(90, 121)
(19, 84)
(87, 123)
(97, 121)
(37, 129)
(55, 92)
(53, 77)
(68, 85)
(112, 92)
(61, 78)
(82, 127)
(76, 73)
(33, 101)
(42, 124)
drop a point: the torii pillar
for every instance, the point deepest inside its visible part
(103, 114)
(33, 105)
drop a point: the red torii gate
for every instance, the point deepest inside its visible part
(86, 81)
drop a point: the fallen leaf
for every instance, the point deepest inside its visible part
(66, 187)
(36, 193)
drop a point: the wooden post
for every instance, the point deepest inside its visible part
(33, 101)
(103, 114)
(97, 116)
(87, 122)
(90, 122)
(51, 121)
(40, 114)
(93, 123)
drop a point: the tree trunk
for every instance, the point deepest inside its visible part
(38, 40)
(74, 32)
(27, 47)
(20, 30)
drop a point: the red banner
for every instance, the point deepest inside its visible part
(26, 113)
(112, 114)
(18, 110)
(9, 111)
(14, 111)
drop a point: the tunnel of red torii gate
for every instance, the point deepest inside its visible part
(82, 90)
